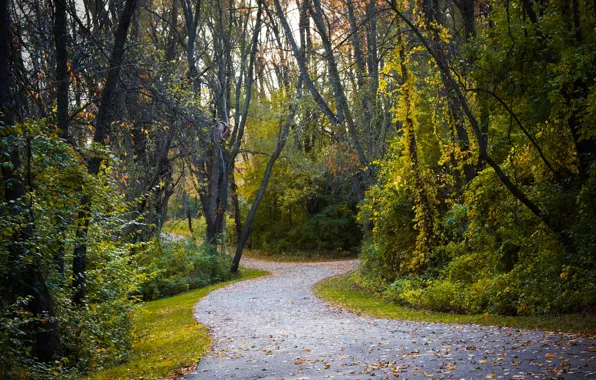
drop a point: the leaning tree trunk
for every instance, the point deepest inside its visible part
(281, 142)
(62, 79)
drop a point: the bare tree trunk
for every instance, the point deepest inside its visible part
(356, 42)
(236, 205)
(466, 8)
(191, 19)
(189, 217)
(373, 59)
(62, 79)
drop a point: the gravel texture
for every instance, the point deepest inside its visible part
(275, 328)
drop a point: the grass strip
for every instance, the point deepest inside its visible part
(180, 226)
(168, 340)
(343, 292)
(299, 256)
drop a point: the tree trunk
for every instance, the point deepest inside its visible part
(236, 205)
(432, 20)
(281, 142)
(62, 79)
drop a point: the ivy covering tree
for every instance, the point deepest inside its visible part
(485, 201)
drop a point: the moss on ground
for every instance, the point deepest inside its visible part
(342, 291)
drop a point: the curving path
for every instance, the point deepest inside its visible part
(275, 328)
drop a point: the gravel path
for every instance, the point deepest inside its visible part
(275, 328)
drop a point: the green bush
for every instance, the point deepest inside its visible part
(387, 253)
(179, 266)
(466, 268)
(332, 229)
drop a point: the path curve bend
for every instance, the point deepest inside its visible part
(274, 327)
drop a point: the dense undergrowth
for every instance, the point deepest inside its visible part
(508, 228)
(122, 268)
(510, 265)
(344, 291)
(178, 266)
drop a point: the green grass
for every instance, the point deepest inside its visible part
(168, 340)
(180, 226)
(343, 292)
(299, 256)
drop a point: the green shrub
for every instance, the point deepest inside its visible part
(443, 296)
(332, 229)
(402, 290)
(179, 266)
(466, 268)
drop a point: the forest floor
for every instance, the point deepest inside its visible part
(274, 327)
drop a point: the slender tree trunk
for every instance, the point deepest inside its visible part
(62, 79)
(189, 217)
(373, 59)
(281, 142)
(468, 14)
(356, 43)
(432, 21)
(236, 205)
